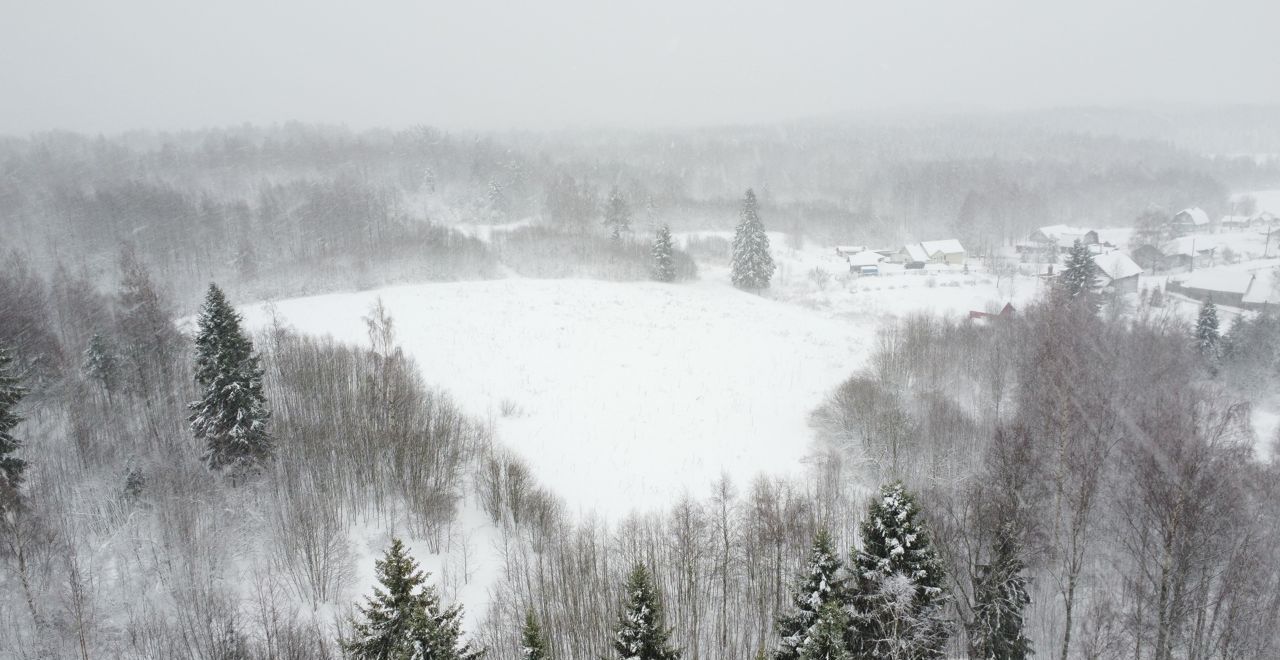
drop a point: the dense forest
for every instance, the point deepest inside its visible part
(300, 208)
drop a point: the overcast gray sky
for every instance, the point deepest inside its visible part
(111, 65)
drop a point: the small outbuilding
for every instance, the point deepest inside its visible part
(863, 260)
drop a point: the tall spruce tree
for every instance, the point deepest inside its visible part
(403, 619)
(102, 364)
(821, 583)
(231, 417)
(664, 265)
(1078, 281)
(1207, 334)
(1229, 340)
(900, 598)
(533, 646)
(642, 633)
(617, 214)
(752, 265)
(1000, 600)
(11, 393)
(827, 640)
(148, 338)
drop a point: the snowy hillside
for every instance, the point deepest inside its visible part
(621, 396)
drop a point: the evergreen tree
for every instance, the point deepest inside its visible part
(1207, 335)
(533, 646)
(664, 266)
(148, 338)
(1000, 598)
(231, 418)
(827, 639)
(822, 583)
(1079, 279)
(642, 632)
(102, 364)
(497, 201)
(11, 393)
(752, 265)
(403, 619)
(900, 600)
(1228, 343)
(617, 214)
(1157, 297)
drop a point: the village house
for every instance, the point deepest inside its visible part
(1055, 239)
(1149, 257)
(1190, 221)
(912, 256)
(1223, 287)
(948, 251)
(847, 251)
(1187, 252)
(1235, 222)
(1247, 289)
(1118, 272)
(1005, 312)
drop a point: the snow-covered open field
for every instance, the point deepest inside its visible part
(626, 395)
(623, 397)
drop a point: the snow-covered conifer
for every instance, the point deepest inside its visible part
(664, 266)
(821, 583)
(1079, 279)
(231, 417)
(642, 633)
(403, 619)
(533, 646)
(101, 363)
(827, 640)
(752, 265)
(900, 598)
(1000, 600)
(1207, 334)
(148, 339)
(11, 393)
(617, 214)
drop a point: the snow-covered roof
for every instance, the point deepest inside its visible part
(915, 252)
(1224, 281)
(1196, 215)
(1064, 235)
(1263, 288)
(1117, 265)
(1187, 246)
(1235, 220)
(1060, 231)
(865, 258)
(946, 246)
(850, 249)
